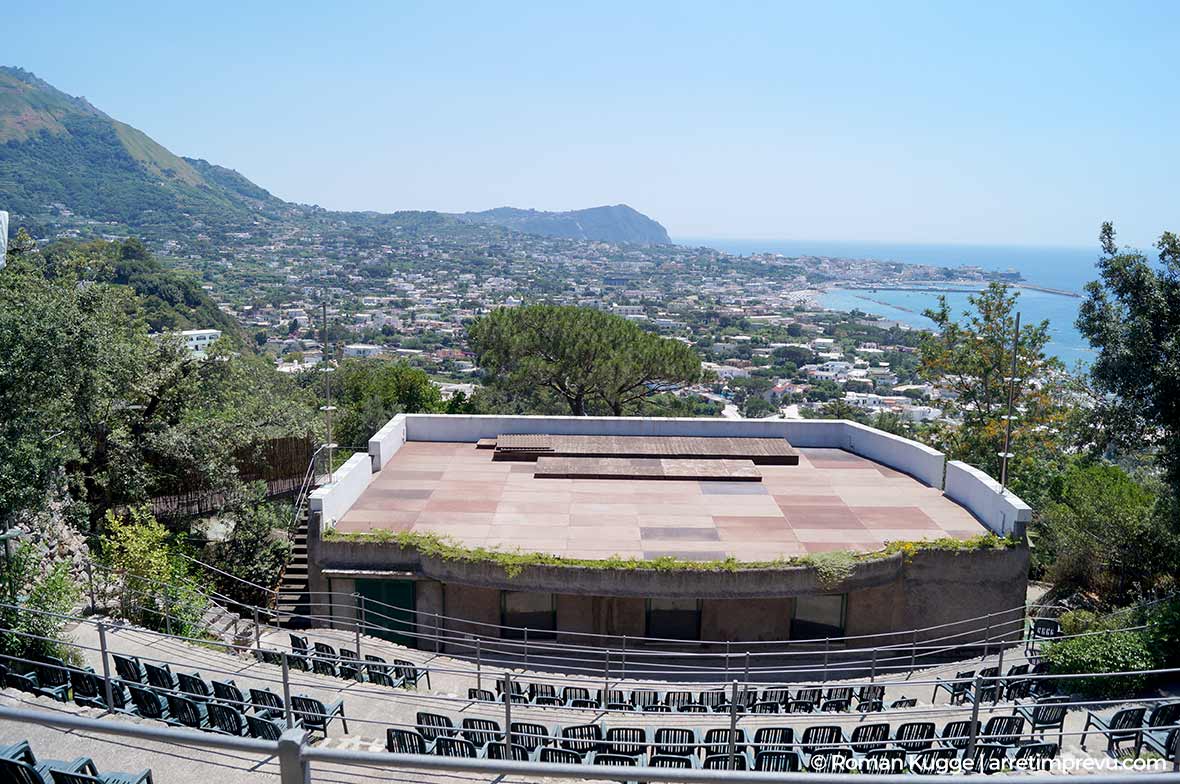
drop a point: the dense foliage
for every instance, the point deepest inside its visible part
(1104, 652)
(47, 589)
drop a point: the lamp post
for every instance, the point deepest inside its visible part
(1007, 453)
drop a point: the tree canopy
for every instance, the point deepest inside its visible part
(582, 355)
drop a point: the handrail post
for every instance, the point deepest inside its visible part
(624, 663)
(508, 714)
(987, 643)
(999, 683)
(827, 642)
(971, 736)
(437, 631)
(913, 652)
(747, 675)
(478, 664)
(106, 667)
(733, 703)
(873, 671)
(605, 677)
(293, 769)
(727, 660)
(358, 610)
(526, 646)
(90, 585)
(257, 631)
(287, 692)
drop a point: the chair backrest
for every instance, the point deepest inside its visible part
(800, 706)
(820, 736)
(866, 693)
(323, 649)
(839, 693)
(560, 756)
(1017, 670)
(581, 737)
(885, 761)
(448, 746)
(129, 668)
(264, 729)
(668, 761)
(226, 719)
(72, 777)
(615, 760)
(184, 711)
(541, 690)
(713, 699)
(782, 696)
(989, 757)
(193, 685)
(310, 711)
(265, 699)
(777, 761)
(481, 731)
(497, 750)
(610, 697)
(914, 735)
(408, 671)
(723, 761)
(1128, 719)
(642, 698)
(678, 699)
(626, 740)
(989, 672)
(1003, 729)
(904, 702)
(717, 740)
(85, 683)
(674, 741)
(517, 686)
(403, 741)
(570, 693)
(766, 706)
(866, 737)
(434, 725)
(52, 671)
(229, 693)
(1164, 715)
(1040, 752)
(480, 695)
(146, 702)
(1047, 628)
(774, 739)
(957, 733)
(1050, 711)
(18, 772)
(299, 644)
(160, 676)
(321, 666)
(835, 706)
(529, 735)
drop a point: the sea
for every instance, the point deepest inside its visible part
(1067, 269)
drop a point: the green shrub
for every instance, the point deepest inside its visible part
(1081, 621)
(1163, 632)
(1098, 653)
(40, 585)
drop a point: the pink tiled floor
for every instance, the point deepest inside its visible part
(832, 500)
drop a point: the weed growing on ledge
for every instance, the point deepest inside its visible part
(832, 567)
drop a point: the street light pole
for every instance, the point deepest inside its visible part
(1007, 453)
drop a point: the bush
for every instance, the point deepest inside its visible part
(1109, 652)
(1081, 621)
(43, 586)
(1163, 632)
(255, 550)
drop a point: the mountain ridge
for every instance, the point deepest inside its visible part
(64, 161)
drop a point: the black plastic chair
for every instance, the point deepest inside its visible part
(454, 747)
(264, 727)
(160, 676)
(148, 704)
(1004, 730)
(1035, 756)
(836, 759)
(1044, 715)
(884, 762)
(382, 672)
(681, 701)
(69, 777)
(668, 761)
(19, 764)
(129, 668)
(53, 676)
(434, 726)
(541, 690)
(481, 695)
(581, 738)
(914, 736)
(958, 733)
(571, 693)
(403, 741)
(674, 742)
(497, 750)
(629, 741)
(777, 761)
(186, 712)
(530, 735)
(411, 673)
(229, 693)
(989, 757)
(559, 756)
(957, 689)
(481, 732)
(934, 761)
(267, 703)
(725, 761)
(194, 687)
(866, 737)
(615, 760)
(774, 739)
(226, 719)
(717, 741)
(1125, 725)
(316, 715)
(821, 736)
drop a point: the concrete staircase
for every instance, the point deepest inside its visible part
(293, 596)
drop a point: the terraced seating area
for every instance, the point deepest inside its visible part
(19, 765)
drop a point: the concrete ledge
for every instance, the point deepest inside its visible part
(330, 502)
(924, 463)
(386, 441)
(1002, 513)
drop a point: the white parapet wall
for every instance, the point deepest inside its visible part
(386, 441)
(1002, 512)
(332, 500)
(917, 460)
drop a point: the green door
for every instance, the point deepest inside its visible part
(389, 609)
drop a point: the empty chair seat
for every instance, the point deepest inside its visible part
(866, 737)
(581, 738)
(766, 706)
(559, 756)
(229, 693)
(530, 735)
(381, 672)
(410, 673)
(434, 726)
(1124, 726)
(160, 676)
(725, 761)
(194, 686)
(129, 668)
(1044, 715)
(186, 712)
(777, 761)
(835, 706)
(1005, 730)
(578, 702)
(674, 741)
(914, 736)
(821, 736)
(315, 715)
(499, 751)
(226, 719)
(404, 741)
(958, 733)
(481, 732)
(903, 702)
(956, 688)
(263, 727)
(631, 741)
(447, 746)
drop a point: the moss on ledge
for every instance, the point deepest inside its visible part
(832, 567)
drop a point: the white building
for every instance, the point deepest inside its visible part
(198, 341)
(363, 350)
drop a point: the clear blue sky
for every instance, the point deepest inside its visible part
(1012, 123)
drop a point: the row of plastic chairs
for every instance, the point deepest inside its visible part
(750, 700)
(19, 765)
(323, 659)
